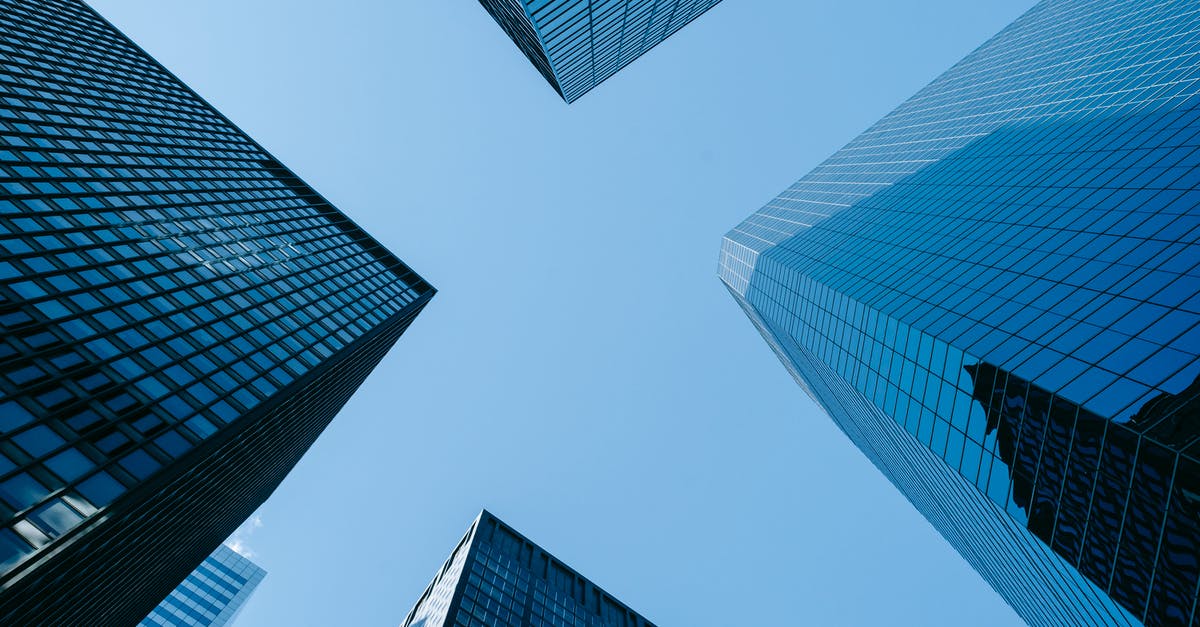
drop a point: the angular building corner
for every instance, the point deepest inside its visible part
(496, 576)
(212, 596)
(180, 318)
(578, 44)
(994, 292)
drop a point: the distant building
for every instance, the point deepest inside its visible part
(578, 44)
(496, 576)
(180, 318)
(995, 292)
(212, 596)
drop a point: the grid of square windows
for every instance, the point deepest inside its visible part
(161, 275)
(576, 45)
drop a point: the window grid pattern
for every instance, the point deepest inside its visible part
(1031, 215)
(1041, 587)
(161, 275)
(435, 603)
(501, 579)
(1062, 60)
(577, 44)
(212, 595)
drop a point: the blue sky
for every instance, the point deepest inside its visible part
(582, 373)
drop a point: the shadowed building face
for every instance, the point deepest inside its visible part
(1119, 501)
(994, 292)
(180, 317)
(496, 576)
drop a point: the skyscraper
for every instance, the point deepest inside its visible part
(212, 595)
(994, 291)
(578, 44)
(180, 318)
(496, 576)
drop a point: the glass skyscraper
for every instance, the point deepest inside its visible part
(577, 44)
(995, 292)
(180, 318)
(498, 577)
(212, 595)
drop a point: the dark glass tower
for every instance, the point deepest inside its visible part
(496, 576)
(180, 317)
(995, 293)
(578, 44)
(212, 596)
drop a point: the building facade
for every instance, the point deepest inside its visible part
(994, 291)
(496, 576)
(578, 44)
(212, 596)
(180, 318)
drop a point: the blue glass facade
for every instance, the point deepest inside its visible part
(212, 595)
(180, 317)
(496, 577)
(995, 292)
(577, 44)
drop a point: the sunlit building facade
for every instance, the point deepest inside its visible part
(578, 44)
(212, 596)
(995, 292)
(498, 577)
(180, 318)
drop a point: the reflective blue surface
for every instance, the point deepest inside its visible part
(1033, 212)
(577, 44)
(212, 595)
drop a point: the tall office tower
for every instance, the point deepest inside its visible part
(578, 44)
(212, 596)
(994, 292)
(496, 576)
(180, 317)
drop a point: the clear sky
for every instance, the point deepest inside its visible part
(582, 373)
